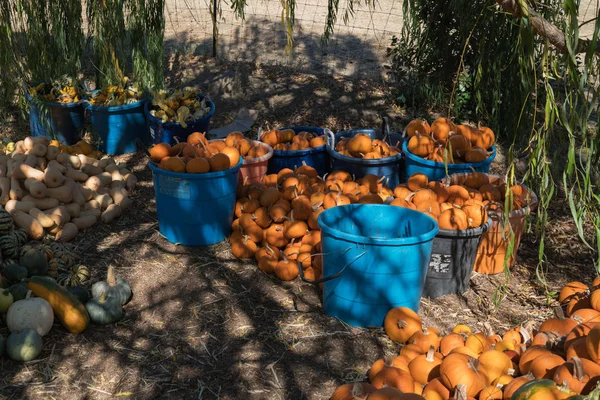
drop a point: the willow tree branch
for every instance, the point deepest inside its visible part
(543, 28)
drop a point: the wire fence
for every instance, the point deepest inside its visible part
(356, 49)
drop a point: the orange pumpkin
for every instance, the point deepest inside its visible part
(461, 369)
(426, 367)
(592, 343)
(351, 391)
(571, 289)
(401, 323)
(418, 126)
(453, 219)
(420, 145)
(417, 181)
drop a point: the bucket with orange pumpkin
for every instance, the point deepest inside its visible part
(255, 155)
(461, 213)
(195, 187)
(364, 152)
(445, 148)
(495, 243)
(296, 146)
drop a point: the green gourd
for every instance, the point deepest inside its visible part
(80, 293)
(18, 291)
(114, 287)
(15, 273)
(24, 345)
(35, 262)
(104, 310)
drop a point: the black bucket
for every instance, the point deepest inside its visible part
(452, 259)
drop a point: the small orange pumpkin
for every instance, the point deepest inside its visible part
(453, 219)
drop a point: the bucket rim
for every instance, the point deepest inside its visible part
(185, 176)
(466, 233)
(379, 161)
(200, 96)
(425, 237)
(436, 164)
(112, 109)
(514, 213)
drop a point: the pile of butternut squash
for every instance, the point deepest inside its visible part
(558, 360)
(47, 191)
(444, 141)
(276, 219)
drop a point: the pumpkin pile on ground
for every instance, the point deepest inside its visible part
(458, 206)
(198, 156)
(558, 360)
(362, 146)
(288, 140)
(49, 192)
(443, 141)
(276, 219)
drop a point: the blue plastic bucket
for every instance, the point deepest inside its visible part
(166, 132)
(119, 127)
(195, 209)
(315, 157)
(389, 167)
(381, 255)
(61, 121)
(437, 170)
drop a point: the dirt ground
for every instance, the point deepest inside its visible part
(203, 325)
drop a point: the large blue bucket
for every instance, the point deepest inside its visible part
(315, 157)
(119, 127)
(61, 121)
(437, 170)
(389, 167)
(195, 209)
(380, 256)
(166, 132)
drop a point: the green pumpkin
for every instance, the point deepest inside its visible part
(15, 273)
(104, 310)
(6, 222)
(19, 291)
(113, 287)
(35, 262)
(24, 345)
(6, 300)
(537, 389)
(10, 246)
(1, 345)
(80, 293)
(21, 236)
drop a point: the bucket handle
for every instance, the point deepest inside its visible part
(385, 129)
(330, 138)
(330, 277)
(259, 133)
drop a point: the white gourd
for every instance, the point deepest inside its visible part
(35, 313)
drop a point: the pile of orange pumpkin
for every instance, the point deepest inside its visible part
(362, 146)
(457, 206)
(197, 155)
(558, 360)
(287, 139)
(444, 141)
(276, 219)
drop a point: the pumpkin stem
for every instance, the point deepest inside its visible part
(460, 393)
(102, 298)
(511, 372)
(29, 293)
(430, 354)
(402, 324)
(578, 371)
(525, 334)
(558, 311)
(111, 279)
